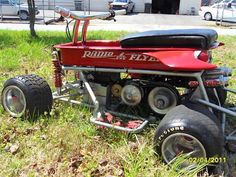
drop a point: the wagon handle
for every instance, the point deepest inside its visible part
(103, 16)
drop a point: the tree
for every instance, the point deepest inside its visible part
(31, 6)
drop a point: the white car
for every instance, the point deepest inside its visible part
(15, 8)
(128, 5)
(224, 11)
(232, 2)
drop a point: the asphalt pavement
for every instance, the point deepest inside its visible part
(131, 22)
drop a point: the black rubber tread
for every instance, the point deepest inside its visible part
(198, 122)
(205, 16)
(23, 11)
(132, 10)
(222, 94)
(126, 11)
(37, 93)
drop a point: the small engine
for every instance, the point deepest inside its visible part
(139, 97)
(143, 97)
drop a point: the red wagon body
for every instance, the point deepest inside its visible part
(111, 55)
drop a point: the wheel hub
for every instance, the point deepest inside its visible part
(161, 102)
(182, 143)
(14, 101)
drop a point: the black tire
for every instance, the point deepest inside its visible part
(208, 16)
(24, 15)
(222, 95)
(126, 11)
(193, 120)
(132, 10)
(33, 92)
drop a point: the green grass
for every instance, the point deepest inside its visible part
(66, 144)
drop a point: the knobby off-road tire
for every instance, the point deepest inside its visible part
(26, 95)
(192, 124)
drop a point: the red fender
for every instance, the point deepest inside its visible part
(181, 60)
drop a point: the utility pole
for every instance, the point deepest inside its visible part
(89, 7)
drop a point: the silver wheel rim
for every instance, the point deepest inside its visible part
(14, 101)
(23, 15)
(182, 143)
(208, 16)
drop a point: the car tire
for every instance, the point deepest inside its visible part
(132, 10)
(126, 11)
(23, 15)
(190, 123)
(26, 95)
(208, 16)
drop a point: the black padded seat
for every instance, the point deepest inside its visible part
(196, 38)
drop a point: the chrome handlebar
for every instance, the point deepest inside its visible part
(103, 16)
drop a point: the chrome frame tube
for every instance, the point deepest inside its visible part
(197, 75)
(126, 115)
(76, 102)
(55, 96)
(202, 87)
(67, 87)
(137, 130)
(223, 122)
(230, 90)
(230, 138)
(232, 109)
(84, 32)
(219, 108)
(96, 112)
(112, 70)
(76, 31)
